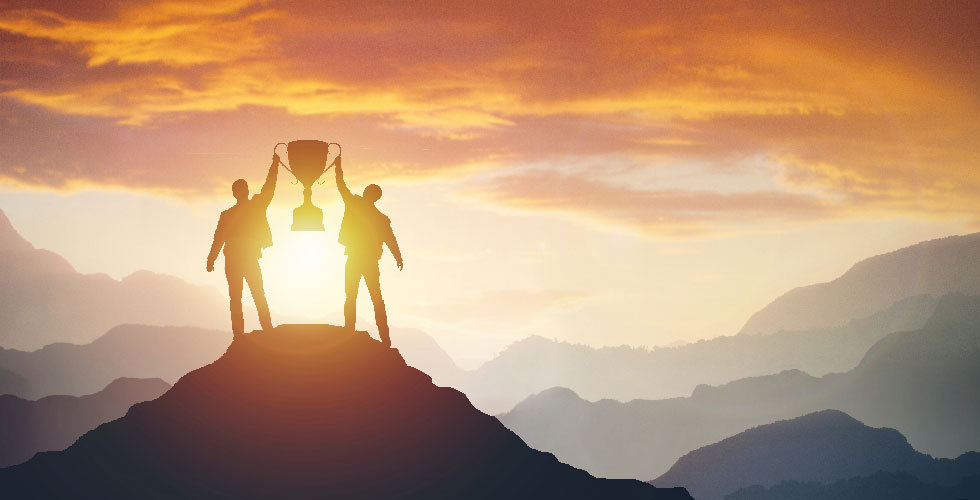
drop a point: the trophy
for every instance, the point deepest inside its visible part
(307, 162)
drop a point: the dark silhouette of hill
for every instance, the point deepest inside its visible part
(54, 422)
(625, 373)
(125, 351)
(824, 447)
(936, 267)
(922, 383)
(307, 412)
(44, 300)
(879, 486)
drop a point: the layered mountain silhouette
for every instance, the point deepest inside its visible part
(44, 300)
(878, 486)
(624, 373)
(12, 383)
(125, 351)
(937, 267)
(308, 412)
(54, 422)
(824, 447)
(922, 383)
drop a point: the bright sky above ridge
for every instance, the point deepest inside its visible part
(599, 172)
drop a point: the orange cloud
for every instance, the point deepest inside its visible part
(864, 107)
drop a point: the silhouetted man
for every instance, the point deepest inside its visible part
(243, 230)
(363, 231)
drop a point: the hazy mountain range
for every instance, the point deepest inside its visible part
(55, 422)
(922, 383)
(44, 300)
(625, 373)
(302, 412)
(825, 447)
(125, 351)
(819, 329)
(936, 267)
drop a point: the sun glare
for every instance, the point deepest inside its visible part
(303, 273)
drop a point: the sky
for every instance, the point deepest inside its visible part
(607, 173)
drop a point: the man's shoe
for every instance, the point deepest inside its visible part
(386, 341)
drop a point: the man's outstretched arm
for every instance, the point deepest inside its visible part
(219, 241)
(265, 195)
(345, 193)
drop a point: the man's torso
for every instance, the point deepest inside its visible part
(363, 229)
(246, 230)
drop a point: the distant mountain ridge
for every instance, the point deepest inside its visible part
(44, 300)
(136, 351)
(921, 383)
(308, 412)
(624, 373)
(55, 422)
(936, 267)
(825, 446)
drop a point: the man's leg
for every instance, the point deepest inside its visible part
(233, 272)
(253, 275)
(352, 281)
(372, 278)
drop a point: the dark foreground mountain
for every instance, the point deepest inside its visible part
(54, 422)
(138, 351)
(879, 486)
(937, 267)
(624, 373)
(43, 299)
(922, 383)
(824, 447)
(308, 412)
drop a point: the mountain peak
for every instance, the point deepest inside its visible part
(935, 267)
(310, 410)
(822, 446)
(10, 239)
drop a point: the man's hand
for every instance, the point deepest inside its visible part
(275, 159)
(210, 266)
(399, 263)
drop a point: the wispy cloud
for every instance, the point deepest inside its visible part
(863, 107)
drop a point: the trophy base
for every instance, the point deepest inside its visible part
(307, 217)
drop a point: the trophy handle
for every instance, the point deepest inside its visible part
(334, 160)
(274, 148)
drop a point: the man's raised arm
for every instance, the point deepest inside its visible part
(345, 193)
(265, 195)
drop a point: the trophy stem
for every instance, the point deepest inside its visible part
(307, 217)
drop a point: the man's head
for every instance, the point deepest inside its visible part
(239, 188)
(372, 193)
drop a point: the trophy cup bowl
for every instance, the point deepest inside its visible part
(307, 162)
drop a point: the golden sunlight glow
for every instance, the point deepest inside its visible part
(302, 270)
